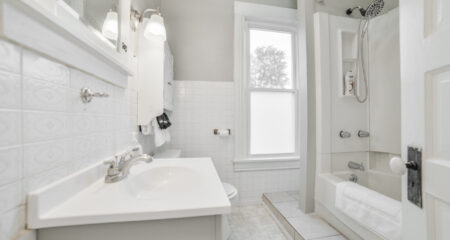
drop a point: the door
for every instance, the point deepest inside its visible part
(425, 76)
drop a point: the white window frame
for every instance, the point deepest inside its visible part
(250, 16)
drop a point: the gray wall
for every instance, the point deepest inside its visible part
(200, 34)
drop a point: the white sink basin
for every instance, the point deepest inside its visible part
(163, 189)
(162, 183)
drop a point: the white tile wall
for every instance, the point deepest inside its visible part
(46, 132)
(200, 107)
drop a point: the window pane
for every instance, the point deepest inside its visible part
(272, 122)
(270, 59)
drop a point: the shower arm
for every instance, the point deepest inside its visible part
(361, 10)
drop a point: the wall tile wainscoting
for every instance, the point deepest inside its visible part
(47, 132)
(200, 107)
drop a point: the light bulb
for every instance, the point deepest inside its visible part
(110, 27)
(154, 28)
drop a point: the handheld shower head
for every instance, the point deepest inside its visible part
(372, 10)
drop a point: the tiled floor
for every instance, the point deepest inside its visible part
(253, 223)
(297, 224)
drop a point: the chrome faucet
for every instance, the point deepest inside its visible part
(353, 178)
(120, 167)
(353, 165)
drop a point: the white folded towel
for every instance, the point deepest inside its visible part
(371, 209)
(161, 136)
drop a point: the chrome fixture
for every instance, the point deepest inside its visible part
(344, 134)
(356, 166)
(222, 132)
(86, 95)
(353, 178)
(127, 155)
(363, 134)
(153, 27)
(120, 167)
(371, 11)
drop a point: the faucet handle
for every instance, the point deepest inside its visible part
(113, 166)
(112, 163)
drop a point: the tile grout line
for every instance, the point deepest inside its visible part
(271, 205)
(278, 223)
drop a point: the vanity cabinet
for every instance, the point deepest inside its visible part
(194, 228)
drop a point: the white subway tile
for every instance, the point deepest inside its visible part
(42, 179)
(36, 66)
(10, 92)
(103, 123)
(10, 60)
(82, 124)
(79, 79)
(10, 128)
(44, 95)
(10, 164)
(11, 223)
(83, 148)
(44, 126)
(10, 196)
(40, 157)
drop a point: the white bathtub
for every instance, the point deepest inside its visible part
(383, 183)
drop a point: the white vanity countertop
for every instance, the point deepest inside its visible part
(163, 189)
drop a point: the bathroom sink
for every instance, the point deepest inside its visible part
(163, 183)
(163, 189)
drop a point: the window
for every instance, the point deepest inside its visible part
(271, 90)
(266, 66)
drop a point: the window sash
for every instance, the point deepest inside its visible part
(248, 90)
(248, 126)
(274, 28)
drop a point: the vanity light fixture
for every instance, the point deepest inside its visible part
(110, 27)
(153, 26)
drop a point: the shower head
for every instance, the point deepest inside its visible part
(372, 10)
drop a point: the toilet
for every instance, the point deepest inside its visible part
(230, 190)
(232, 193)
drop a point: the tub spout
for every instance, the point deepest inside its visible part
(353, 165)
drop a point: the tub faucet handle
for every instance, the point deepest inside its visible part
(344, 134)
(363, 134)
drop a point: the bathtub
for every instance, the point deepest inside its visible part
(381, 182)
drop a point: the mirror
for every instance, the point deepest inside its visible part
(101, 16)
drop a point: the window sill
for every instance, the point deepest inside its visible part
(262, 164)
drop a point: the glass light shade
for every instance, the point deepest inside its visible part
(110, 27)
(155, 28)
